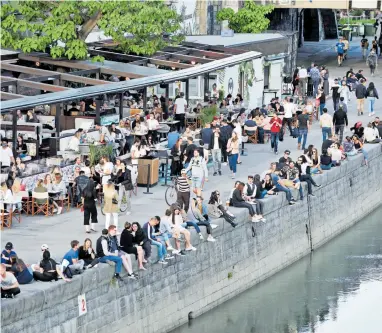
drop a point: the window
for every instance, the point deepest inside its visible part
(266, 76)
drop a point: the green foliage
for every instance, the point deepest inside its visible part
(96, 152)
(221, 95)
(249, 19)
(344, 21)
(246, 69)
(230, 275)
(61, 27)
(208, 114)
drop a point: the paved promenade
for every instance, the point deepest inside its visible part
(58, 231)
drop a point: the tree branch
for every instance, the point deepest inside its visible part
(89, 25)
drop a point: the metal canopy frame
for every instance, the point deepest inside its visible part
(118, 87)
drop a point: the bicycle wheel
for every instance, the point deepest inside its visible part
(123, 205)
(170, 195)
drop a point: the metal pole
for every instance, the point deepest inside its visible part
(167, 94)
(98, 111)
(58, 125)
(206, 83)
(144, 98)
(187, 90)
(14, 133)
(148, 179)
(120, 106)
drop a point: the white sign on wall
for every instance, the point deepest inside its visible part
(82, 307)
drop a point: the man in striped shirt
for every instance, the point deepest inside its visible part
(183, 197)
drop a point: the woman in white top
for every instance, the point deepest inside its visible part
(177, 221)
(238, 130)
(336, 154)
(371, 134)
(74, 143)
(138, 150)
(344, 92)
(107, 170)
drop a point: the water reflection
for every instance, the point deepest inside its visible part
(338, 288)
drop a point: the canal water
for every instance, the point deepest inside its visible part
(336, 289)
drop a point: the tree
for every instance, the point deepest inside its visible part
(60, 28)
(249, 19)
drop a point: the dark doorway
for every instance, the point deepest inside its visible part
(311, 25)
(329, 22)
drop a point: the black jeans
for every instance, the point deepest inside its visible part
(260, 134)
(183, 200)
(181, 117)
(335, 103)
(147, 248)
(224, 152)
(289, 122)
(9, 292)
(205, 224)
(45, 276)
(309, 180)
(90, 211)
(91, 262)
(259, 207)
(243, 204)
(225, 215)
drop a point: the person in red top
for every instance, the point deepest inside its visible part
(276, 126)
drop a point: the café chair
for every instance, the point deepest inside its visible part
(26, 202)
(5, 217)
(251, 132)
(46, 208)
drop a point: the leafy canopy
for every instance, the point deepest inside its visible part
(61, 27)
(249, 19)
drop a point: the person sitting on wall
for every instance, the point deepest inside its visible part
(9, 285)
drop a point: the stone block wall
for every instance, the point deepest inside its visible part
(164, 296)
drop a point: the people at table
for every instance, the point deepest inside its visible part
(6, 155)
(104, 133)
(40, 188)
(31, 117)
(74, 143)
(73, 108)
(139, 149)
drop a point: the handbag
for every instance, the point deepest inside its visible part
(114, 201)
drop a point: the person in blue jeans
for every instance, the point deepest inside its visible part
(104, 255)
(276, 127)
(303, 128)
(149, 230)
(281, 188)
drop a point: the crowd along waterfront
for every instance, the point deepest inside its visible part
(337, 288)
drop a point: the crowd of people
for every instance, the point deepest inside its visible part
(218, 143)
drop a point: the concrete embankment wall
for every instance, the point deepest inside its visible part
(164, 296)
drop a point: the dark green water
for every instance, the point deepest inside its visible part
(337, 289)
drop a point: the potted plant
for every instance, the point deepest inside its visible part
(97, 151)
(207, 114)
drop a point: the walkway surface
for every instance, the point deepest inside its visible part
(58, 231)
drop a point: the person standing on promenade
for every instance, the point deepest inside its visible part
(371, 94)
(199, 171)
(303, 80)
(215, 146)
(340, 51)
(303, 128)
(372, 61)
(326, 124)
(360, 94)
(364, 47)
(315, 75)
(233, 153)
(276, 127)
(89, 198)
(335, 94)
(340, 120)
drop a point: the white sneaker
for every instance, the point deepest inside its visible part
(255, 219)
(59, 210)
(213, 226)
(191, 248)
(170, 248)
(169, 256)
(201, 237)
(175, 252)
(211, 239)
(163, 262)
(225, 163)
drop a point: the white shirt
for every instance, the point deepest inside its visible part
(86, 170)
(152, 124)
(74, 144)
(335, 153)
(181, 105)
(371, 134)
(288, 110)
(5, 156)
(302, 73)
(106, 134)
(216, 142)
(107, 168)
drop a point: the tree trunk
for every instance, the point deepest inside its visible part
(89, 25)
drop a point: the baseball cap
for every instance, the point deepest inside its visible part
(44, 247)
(9, 246)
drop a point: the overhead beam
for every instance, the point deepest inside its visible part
(43, 78)
(8, 96)
(64, 76)
(184, 57)
(7, 81)
(171, 64)
(85, 72)
(79, 65)
(38, 85)
(115, 55)
(197, 52)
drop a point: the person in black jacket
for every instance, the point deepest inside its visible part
(89, 197)
(127, 245)
(335, 94)
(340, 120)
(238, 201)
(188, 152)
(360, 94)
(141, 239)
(225, 134)
(176, 164)
(87, 254)
(215, 146)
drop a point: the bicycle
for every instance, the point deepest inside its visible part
(171, 193)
